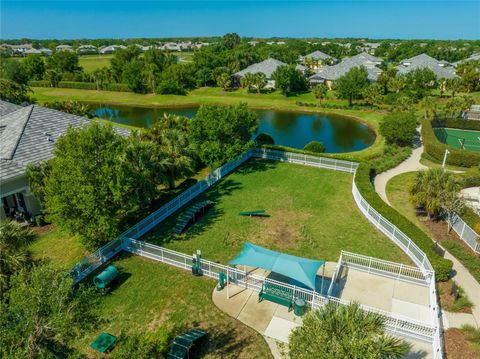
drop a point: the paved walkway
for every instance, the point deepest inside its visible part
(461, 275)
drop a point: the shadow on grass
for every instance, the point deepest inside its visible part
(220, 344)
(163, 233)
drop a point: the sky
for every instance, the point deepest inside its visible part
(400, 19)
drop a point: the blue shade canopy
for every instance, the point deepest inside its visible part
(301, 269)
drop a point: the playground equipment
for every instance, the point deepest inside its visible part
(183, 343)
(102, 280)
(103, 343)
(258, 213)
(191, 215)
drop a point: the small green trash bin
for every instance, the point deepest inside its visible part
(299, 307)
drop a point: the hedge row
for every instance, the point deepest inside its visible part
(436, 150)
(441, 265)
(336, 106)
(457, 123)
(81, 85)
(467, 258)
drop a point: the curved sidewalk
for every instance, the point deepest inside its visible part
(461, 275)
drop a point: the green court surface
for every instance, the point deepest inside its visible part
(465, 140)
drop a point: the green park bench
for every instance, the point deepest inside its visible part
(276, 294)
(190, 215)
(183, 343)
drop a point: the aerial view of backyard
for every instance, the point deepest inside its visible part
(202, 188)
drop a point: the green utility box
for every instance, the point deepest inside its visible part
(299, 307)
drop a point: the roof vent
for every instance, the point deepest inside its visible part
(47, 134)
(50, 139)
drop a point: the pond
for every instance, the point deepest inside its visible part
(293, 129)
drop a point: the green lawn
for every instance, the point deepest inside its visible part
(399, 196)
(312, 210)
(312, 214)
(90, 63)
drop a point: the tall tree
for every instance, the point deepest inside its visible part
(14, 92)
(177, 155)
(231, 40)
(224, 81)
(220, 133)
(34, 67)
(88, 190)
(14, 242)
(372, 94)
(351, 85)
(64, 61)
(289, 80)
(260, 81)
(43, 312)
(453, 85)
(320, 91)
(430, 187)
(333, 332)
(429, 106)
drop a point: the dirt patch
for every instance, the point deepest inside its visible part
(457, 346)
(283, 229)
(42, 229)
(447, 299)
(158, 320)
(439, 231)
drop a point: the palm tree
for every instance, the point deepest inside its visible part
(344, 332)
(260, 81)
(14, 239)
(177, 160)
(429, 106)
(430, 188)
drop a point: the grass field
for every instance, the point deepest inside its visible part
(463, 139)
(90, 63)
(312, 214)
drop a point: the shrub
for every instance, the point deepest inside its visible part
(399, 128)
(314, 146)
(441, 265)
(392, 156)
(436, 150)
(81, 85)
(468, 259)
(167, 87)
(457, 123)
(264, 139)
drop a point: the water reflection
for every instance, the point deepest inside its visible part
(293, 129)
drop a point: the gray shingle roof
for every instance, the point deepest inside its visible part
(267, 67)
(29, 136)
(317, 55)
(472, 57)
(424, 61)
(7, 107)
(334, 72)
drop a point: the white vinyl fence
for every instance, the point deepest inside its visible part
(465, 232)
(102, 255)
(396, 324)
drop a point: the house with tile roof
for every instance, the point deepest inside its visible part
(316, 60)
(330, 74)
(27, 136)
(267, 67)
(423, 61)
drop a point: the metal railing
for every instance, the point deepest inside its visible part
(394, 323)
(392, 232)
(384, 268)
(96, 259)
(465, 232)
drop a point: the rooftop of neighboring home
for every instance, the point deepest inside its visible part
(41, 50)
(64, 48)
(334, 72)
(267, 67)
(317, 55)
(473, 57)
(424, 61)
(112, 48)
(28, 135)
(87, 47)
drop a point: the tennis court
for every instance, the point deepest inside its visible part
(463, 139)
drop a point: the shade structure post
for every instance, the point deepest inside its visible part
(323, 277)
(228, 284)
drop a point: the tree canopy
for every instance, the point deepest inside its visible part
(351, 85)
(220, 133)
